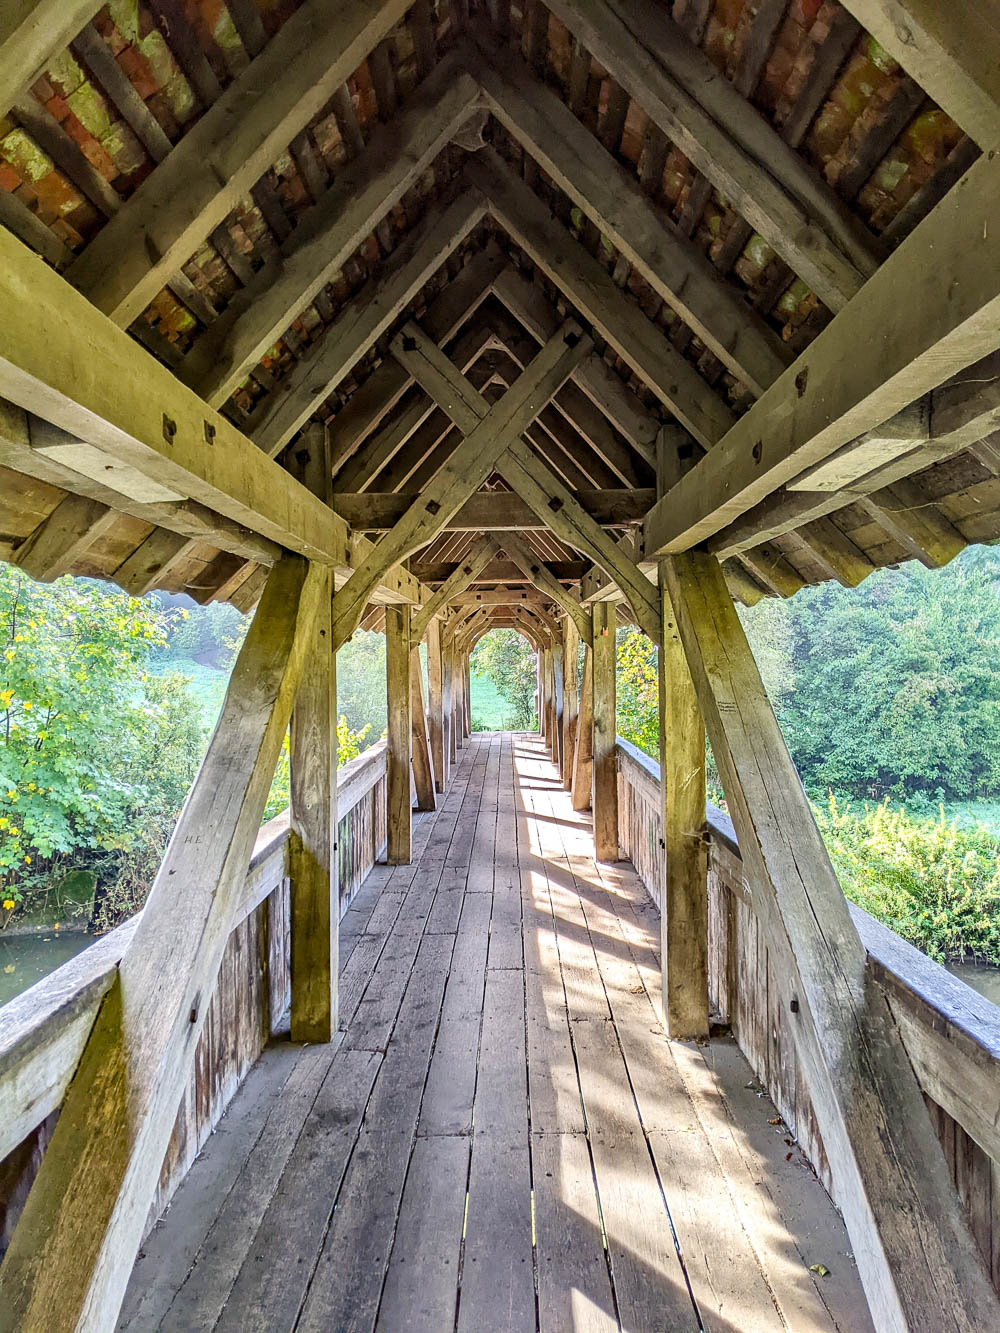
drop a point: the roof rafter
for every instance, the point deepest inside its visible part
(230, 148)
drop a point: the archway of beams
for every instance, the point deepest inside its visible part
(500, 312)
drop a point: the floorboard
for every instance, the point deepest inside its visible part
(501, 1137)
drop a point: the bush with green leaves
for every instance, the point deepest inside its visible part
(934, 883)
(94, 750)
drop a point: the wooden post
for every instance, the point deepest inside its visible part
(556, 658)
(451, 689)
(467, 687)
(571, 697)
(684, 889)
(397, 679)
(583, 759)
(436, 705)
(73, 1249)
(605, 781)
(920, 1266)
(423, 768)
(315, 899)
(543, 694)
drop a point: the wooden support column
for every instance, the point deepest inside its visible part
(684, 890)
(451, 688)
(397, 680)
(571, 698)
(315, 898)
(583, 758)
(605, 779)
(436, 706)
(556, 746)
(920, 1266)
(74, 1247)
(467, 688)
(423, 767)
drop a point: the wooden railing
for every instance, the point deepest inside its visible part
(43, 1030)
(951, 1033)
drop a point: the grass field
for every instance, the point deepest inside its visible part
(207, 684)
(490, 711)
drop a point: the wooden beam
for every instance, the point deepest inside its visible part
(61, 539)
(605, 759)
(593, 292)
(374, 511)
(362, 193)
(615, 202)
(368, 405)
(533, 568)
(728, 141)
(467, 469)
(76, 1242)
(231, 146)
(684, 885)
(867, 1102)
(367, 315)
(478, 557)
(122, 401)
(931, 309)
(32, 31)
(498, 571)
(152, 562)
(399, 735)
(313, 862)
(605, 389)
(915, 523)
(423, 766)
(416, 419)
(529, 477)
(953, 52)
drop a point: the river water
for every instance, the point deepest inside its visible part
(25, 959)
(984, 979)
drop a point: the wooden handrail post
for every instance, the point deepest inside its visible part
(436, 705)
(557, 741)
(583, 759)
(73, 1249)
(684, 889)
(397, 680)
(571, 697)
(919, 1263)
(605, 763)
(314, 881)
(423, 766)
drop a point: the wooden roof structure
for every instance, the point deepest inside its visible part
(437, 315)
(265, 196)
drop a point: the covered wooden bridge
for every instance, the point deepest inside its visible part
(432, 316)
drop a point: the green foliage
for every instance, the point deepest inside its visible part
(936, 884)
(637, 702)
(209, 635)
(891, 688)
(361, 683)
(506, 657)
(349, 745)
(95, 751)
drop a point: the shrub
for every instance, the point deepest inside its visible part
(934, 883)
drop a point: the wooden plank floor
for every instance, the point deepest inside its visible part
(501, 1137)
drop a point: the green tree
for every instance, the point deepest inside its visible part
(94, 751)
(637, 690)
(896, 690)
(506, 657)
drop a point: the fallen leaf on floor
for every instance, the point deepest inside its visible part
(821, 1269)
